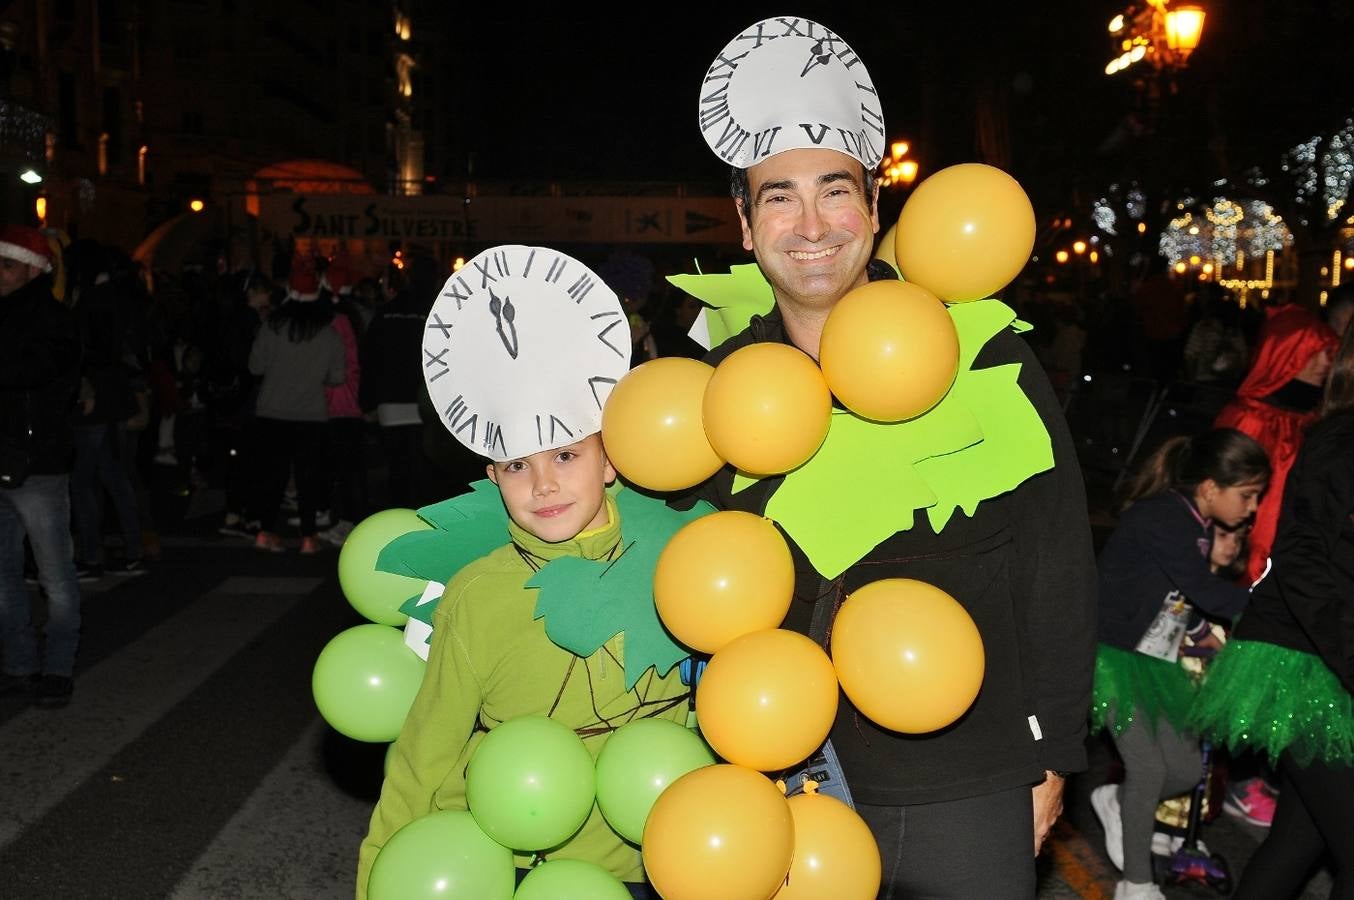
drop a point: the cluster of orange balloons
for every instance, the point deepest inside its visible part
(672, 422)
(727, 831)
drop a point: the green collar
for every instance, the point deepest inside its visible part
(599, 544)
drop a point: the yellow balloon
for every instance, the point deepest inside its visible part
(889, 350)
(767, 408)
(885, 250)
(835, 854)
(652, 428)
(720, 831)
(907, 654)
(965, 232)
(767, 700)
(722, 576)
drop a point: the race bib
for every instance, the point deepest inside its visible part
(1167, 630)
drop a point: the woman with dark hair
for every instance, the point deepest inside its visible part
(297, 354)
(1282, 686)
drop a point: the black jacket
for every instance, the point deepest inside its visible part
(39, 376)
(1024, 569)
(391, 354)
(1306, 602)
(1160, 545)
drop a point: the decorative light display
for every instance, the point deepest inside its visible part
(1226, 234)
(1102, 213)
(1322, 175)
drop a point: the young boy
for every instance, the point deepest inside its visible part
(491, 660)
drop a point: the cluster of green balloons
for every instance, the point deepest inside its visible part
(530, 785)
(366, 677)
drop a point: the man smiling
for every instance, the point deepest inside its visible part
(960, 812)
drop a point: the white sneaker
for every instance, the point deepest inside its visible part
(1164, 844)
(1134, 890)
(338, 534)
(1105, 802)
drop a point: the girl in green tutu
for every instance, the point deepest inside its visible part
(1282, 685)
(1154, 581)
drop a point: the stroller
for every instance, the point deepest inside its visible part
(1189, 864)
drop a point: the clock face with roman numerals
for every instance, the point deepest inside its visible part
(521, 350)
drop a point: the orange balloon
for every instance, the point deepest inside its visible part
(651, 424)
(720, 831)
(767, 700)
(767, 408)
(965, 232)
(835, 854)
(886, 249)
(889, 350)
(907, 654)
(722, 576)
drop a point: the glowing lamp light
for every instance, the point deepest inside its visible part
(458, 264)
(196, 205)
(1079, 247)
(1180, 266)
(1349, 262)
(1184, 25)
(40, 210)
(1117, 24)
(1142, 228)
(1062, 256)
(28, 176)
(899, 149)
(907, 171)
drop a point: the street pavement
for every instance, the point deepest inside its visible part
(191, 762)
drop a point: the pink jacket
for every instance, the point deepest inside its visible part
(342, 398)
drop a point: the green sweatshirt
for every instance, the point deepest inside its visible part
(490, 661)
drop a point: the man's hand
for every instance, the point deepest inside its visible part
(1048, 806)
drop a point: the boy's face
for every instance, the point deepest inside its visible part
(556, 494)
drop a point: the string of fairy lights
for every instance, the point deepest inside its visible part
(1242, 242)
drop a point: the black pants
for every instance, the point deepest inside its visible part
(282, 446)
(979, 847)
(1312, 817)
(345, 475)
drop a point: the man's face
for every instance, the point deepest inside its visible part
(811, 225)
(14, 275)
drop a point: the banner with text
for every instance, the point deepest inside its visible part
(503, 220)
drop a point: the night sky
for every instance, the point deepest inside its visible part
(569, 94)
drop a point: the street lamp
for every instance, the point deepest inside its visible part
(896, 168)
(1156, 31)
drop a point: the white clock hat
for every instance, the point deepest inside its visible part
(788, 83)
(521, 350)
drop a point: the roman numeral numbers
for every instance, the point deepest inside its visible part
(731, 141)
(872, 118)
(548, 426)
(721, 64)
(459, 417)
(579, 289)
(594, 382)
(438, 359)
(762, 141)
(493, 438)
(601, 335)
(557, 267)
(458, 291)
(439, 325)
(499, 261)
(714, 107)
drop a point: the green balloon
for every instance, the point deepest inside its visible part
(637, 764)
(571, 879)
(530, 783)
(378, 595)
(365, 680)
(442, 855)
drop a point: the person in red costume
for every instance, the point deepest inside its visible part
(1276, 402)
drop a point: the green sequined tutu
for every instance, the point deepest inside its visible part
(1260, 695)
(1142, 685)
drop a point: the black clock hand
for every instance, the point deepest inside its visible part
(501, 310)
